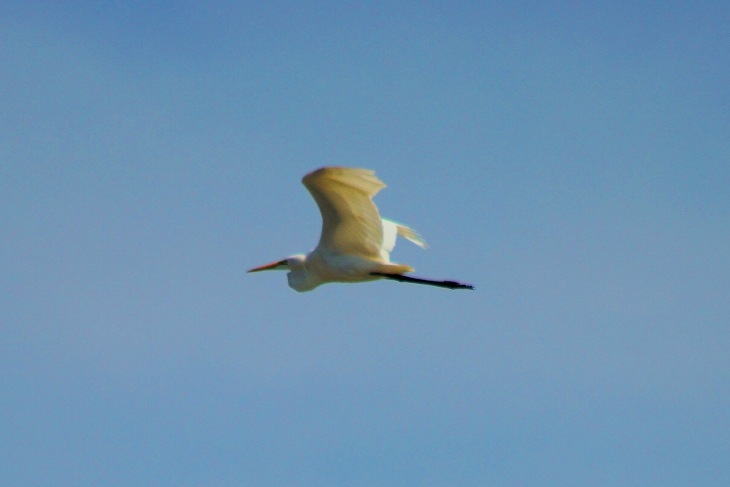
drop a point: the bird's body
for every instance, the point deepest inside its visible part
(323, 264)
(355, 242)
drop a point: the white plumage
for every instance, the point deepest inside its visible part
(355, 242)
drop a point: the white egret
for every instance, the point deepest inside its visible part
(355, 242)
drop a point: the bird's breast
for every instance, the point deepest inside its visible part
(342, 268)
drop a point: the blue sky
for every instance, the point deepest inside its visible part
(569, 160)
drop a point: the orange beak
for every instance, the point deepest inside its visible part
(279, 264)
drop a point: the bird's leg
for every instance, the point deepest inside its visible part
(418, 280)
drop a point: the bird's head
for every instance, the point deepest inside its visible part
(289, 264)
(300, 279)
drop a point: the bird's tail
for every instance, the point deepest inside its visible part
(392, 268)
(410, 234)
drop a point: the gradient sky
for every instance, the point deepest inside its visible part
(572, 160)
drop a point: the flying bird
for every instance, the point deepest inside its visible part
(355, 242)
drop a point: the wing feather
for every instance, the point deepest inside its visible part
(350, 220)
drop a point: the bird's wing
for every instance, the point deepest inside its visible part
(350, 220)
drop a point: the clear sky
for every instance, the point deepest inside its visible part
(571, 159)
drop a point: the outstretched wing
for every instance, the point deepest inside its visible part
(350, 220)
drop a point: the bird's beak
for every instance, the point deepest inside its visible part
(279, 264)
